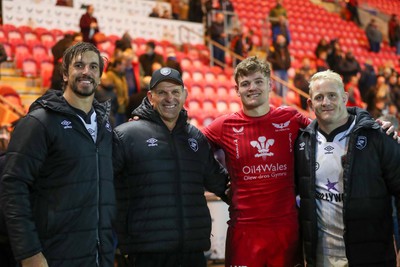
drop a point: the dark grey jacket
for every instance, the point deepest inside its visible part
(57, 188)
(160, 180)
(371, 175)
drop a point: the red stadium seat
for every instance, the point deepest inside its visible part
(46, 71)
(29, 67)
(21, 52)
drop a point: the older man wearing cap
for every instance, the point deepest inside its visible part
(162, 165)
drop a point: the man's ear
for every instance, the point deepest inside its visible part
(309, 103)
(237, 90)
(150, 97)
(345, 97)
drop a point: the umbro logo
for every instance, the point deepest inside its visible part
(66, 124)
(262, 145)
(329, 149)
(108, 126)
(302, 145)
(152, 142)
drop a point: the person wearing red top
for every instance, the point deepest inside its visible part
(88, 25)
(258, 145)
(391, 30)
(354, 94)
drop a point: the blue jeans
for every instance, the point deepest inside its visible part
(280, 88)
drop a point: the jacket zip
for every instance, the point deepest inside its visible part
(98, 207)
(179, 193)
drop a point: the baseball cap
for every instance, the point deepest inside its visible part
(165, 74)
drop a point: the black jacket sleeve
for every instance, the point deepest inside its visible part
(26, 154)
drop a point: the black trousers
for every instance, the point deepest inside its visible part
(194, 259)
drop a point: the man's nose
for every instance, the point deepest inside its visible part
(325, 100)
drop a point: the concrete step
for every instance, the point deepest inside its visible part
(22, 84)
(28, 99)
(4, 72)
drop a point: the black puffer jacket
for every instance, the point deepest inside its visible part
(57, 188)
(161, 176)
(371, 175)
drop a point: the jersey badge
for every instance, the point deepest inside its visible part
(262, 145)
(152, 142)
(193, 144)
(361, 142)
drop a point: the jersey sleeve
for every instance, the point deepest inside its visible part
(303, 120)
(213, 132)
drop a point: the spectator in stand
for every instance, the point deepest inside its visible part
(279, 57)
(237, 45)
(247, 40)
(88, 25)
(386, 70)
(132, 71)
(367, 79)
(354, 95)
(195, 12)
(396, 35)
(378, 98)
(155, 12)
(172, 61)
(374, 36)
(218, 35)
(323, 45)
(124, 43)
(116, 75)
(335, 55)
(352, 7)
(64, 3)
(147, 59)
(136, 99)
(277, 17)
(321, 61)
(175, 8)
(300, 80)
(391, 28)
(166, 14)
(394, 89)
(282, 29)
(105, 92)
(348, 67)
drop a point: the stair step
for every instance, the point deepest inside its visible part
(28, 99)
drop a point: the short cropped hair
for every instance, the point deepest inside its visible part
(252, 65)
(326, 75)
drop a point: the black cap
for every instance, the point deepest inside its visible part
(164, 74)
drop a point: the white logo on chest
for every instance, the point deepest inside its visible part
(262, 145)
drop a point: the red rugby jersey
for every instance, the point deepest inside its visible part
(260, 160)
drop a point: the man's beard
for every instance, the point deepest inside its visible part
(84, 93)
